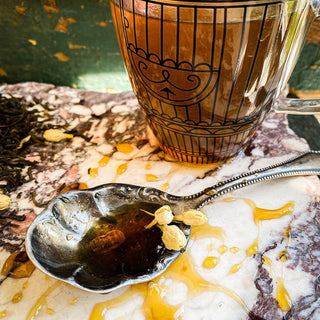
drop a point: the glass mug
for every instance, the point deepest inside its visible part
(206, 73)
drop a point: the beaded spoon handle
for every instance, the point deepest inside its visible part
(307, 163)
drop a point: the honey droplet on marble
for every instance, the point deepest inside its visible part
(148, 166)
(266, 214)
(122, 169)
(266, 261)
(156, 308)
(104, 161)
(165, 186)
(75, 186)
(230, 199)
(151, 177)
(125, 148)
(284, 255)
(210, 262)
(223, 249)
(17, 297)
(41, 301)
(73, 301)
(253, 249)
(210, 247)
(234, 249)
(93, 172)
(282, 296)
(50, 311)
(287, 234)
(235, 268)
(206, 230)
(25, 284)
(3, 313)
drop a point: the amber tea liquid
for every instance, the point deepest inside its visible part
(205, 74)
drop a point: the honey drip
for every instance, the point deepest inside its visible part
(234, 249)
(120, 170)
(17, 297)
(75, 186)
(284, 255)
(151, 177)
(50, 311)
(154, 307)
(223, 249)
(210, 262)
(260, 214)
(73, 301)
(184, 270)
(235, 268)
(25, 284)
(254, 248)
(41, 301)
(283, 298)
(93, 172)
(125, 148)
(148, 166)
(3, 314)
(210, 247)
(282, 295)
(165, 186)
(206, 230)
(266, 261)
(104, 161)
(197, 170)
(287, 234)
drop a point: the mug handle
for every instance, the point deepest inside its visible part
(300, 106)
(297, 106)
(315, 5)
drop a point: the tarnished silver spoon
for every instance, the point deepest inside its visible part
(95, 239)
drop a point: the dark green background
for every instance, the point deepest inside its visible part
(98, 64)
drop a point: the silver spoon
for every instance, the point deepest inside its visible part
(63, 240)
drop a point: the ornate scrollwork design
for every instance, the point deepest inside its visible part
(172, 82)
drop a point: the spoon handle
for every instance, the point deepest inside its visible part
(307, 163)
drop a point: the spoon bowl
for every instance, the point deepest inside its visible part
(54, 239)
(96, 239)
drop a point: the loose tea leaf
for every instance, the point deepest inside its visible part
(21, 127)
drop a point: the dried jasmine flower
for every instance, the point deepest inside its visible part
(162, 216)
(172, 237)
(191, 217)
(56, 135)
(5, 202)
